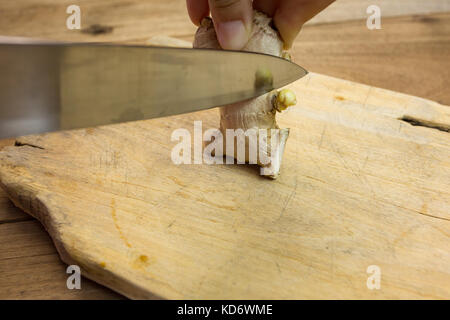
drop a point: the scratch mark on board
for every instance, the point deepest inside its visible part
(367, 97)
(321, 136)
(291, 195)
(116, 224)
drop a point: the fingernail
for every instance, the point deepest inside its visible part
(232, 35)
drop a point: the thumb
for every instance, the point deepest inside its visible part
(232, 21)
(292, 14)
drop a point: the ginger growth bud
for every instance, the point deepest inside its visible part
(284, 99)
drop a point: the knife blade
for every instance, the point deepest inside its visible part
(47, 86)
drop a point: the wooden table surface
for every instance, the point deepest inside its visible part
(409, 54)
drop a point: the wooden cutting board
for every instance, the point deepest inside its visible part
(365, 181)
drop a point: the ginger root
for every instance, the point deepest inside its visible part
(259, 113)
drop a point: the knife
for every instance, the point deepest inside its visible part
(48, 86)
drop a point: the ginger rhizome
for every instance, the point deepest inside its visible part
(259, 113)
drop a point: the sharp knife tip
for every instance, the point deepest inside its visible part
(298, 72)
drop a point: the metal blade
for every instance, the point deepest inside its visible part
(54, 86)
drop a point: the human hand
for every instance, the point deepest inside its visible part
(233, 18)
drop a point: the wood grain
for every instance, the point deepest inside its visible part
(104, 20)
(345, 10)
(131, 23)
(409, 55)
(116, 20)
(31, 269)
(359, 187)
(8, 212)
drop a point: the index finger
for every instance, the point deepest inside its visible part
(290, 15)
(197, 10)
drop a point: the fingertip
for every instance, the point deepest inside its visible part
(232, 35)
(291, 15)
(197, 10)
(288, 25)
(233, 22)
